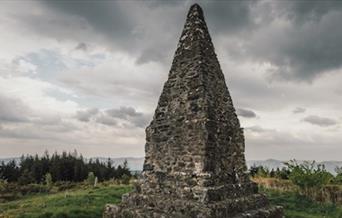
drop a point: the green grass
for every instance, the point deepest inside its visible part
(80, 203)
(89, 203)
(297, 206)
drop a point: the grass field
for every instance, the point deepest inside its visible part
(81, 203)
(89, 203)
(296, 206)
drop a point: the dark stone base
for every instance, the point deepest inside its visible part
(154, 206)
(114, 211)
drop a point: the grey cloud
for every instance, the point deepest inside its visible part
(300, 50)
(130, 114)
(228, 16)
(222, 16)
(272, 138)
(117, 25)
(123, 116)
(123, 112)
(310, 52)
(258, 129)
(85, 115)
(299, 47)
(13, 110)
(22, 133)
(34, 131)
(246, 113)
(113, 79)
(153, 54)
(106, 120)
(105, 17)
(20, 121)
(142, 121)
(261, 144)
(250, 93)
(320, 121)
(299, 110)
(138, 27)
(338, 91)
(50, 120)
(172, 3)
(59, 126)
(81, 46)
(301, 11)
(301, 41)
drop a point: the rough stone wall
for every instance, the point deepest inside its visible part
(194, 164)
(196, 110)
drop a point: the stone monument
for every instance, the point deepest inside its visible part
(194, 164)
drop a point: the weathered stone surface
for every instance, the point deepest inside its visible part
(194, 164)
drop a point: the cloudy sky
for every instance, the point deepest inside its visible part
(87, 76)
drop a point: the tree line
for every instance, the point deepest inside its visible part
(261, 171)
(62, 167)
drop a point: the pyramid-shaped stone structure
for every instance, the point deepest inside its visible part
(194, 164)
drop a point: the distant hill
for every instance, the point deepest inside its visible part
(269, 163)
(8, 159)
(330, 166)
(136, 163)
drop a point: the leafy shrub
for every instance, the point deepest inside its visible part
(26, 177)
(33, 188)
(64, 185)
(338, 178)
(60, 215)
(282, 173)
(308, 175)
(91, 178)
(3, 184)
(48, 180)
(125, 179)
(258, 171)
(46, 215)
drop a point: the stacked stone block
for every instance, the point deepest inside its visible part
(194, 163)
